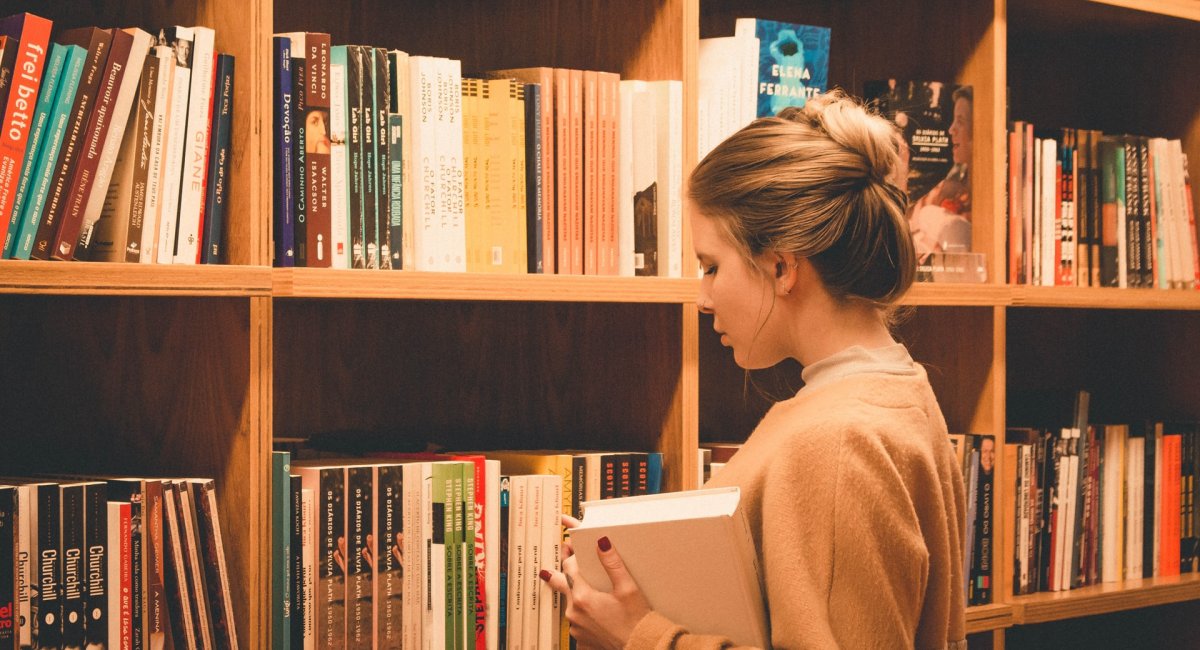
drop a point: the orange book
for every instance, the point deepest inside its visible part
(1168, 548)
(610, 94)
(575, 206)
(591, 168)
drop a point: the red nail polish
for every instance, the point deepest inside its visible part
(604, 544)
(544, 575)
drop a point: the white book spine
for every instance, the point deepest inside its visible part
(451, 202)
(531, 583)
(550, 609)
(116, 132)
(424, 162)
(25, 574)
(339, 200)
(518, 513)
(195, 158)
(1050, 225)
(172, 172)
(670, 177)
(413, 622)
(158, 146)
(1186, 232)
(308, 567)
(748, 78)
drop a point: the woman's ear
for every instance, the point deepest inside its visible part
(786, 272)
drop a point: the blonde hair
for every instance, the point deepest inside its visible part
(814, 182)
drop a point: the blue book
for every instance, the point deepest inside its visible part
(37, 131)
(56, 126)
(654, 473)
(793, 62)
(212, 249)
(285, 226)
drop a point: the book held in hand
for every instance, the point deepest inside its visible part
(690, 552)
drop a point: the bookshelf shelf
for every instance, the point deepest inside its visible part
(957, 295)
(986, 618)
(1105, 598)
(1185, 9)
(101, 278)
(1105, 298)
(401, 285)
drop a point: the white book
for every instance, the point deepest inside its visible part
(550, 609)
(158, 153)
(1186, 232)
(452, 235)
(491, 553)
(339, 199)
(195, 153)
(308, 567)
(1072, 504)
(691, 553)
(669, 116)
(416, 479)
(531, 583)
(1114, 464)
(1135, 458)
(1036, 241)
(721, 91)
(117, 132)
(644, 173)
(1050, 226)
(1161, 216)
(172, 172)
(25, 568)
(423, 81)
(518, 520)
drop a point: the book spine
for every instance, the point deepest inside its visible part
(281, 550)
(300, 189)
(397, 157)
(121, 608)
(383, 165)
(72, 141)
(590, 171)
(389, 612)
(111, 138)
(449, 165)
(128, 188)
(47, 599)
(502, 565)
(158, 155)
(308, 575)
(19, 107)
(424, 160)
(194, 564)
(535, 222)
(330, 608)
(576, 179)
(10, 621)
(179, 606)
(339, 164)
(84, 173)
(74, 577)
(195, 159)
(98, 579)
(37, 134)
(356, 179)
(317, 146)
(285, 232)
(370, 153)
(296, 613)
(359, 526)
(180, 41)
(438, 571)
(217, 199)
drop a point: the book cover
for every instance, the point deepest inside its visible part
(793, 62)
(300, 67)
(98, 43)
(316, 145)
(389, 569)
(216, 202)
(284, 222)
(110, 137)
(179, 43)
(51, 81)
(158, 154)
(195, 156)
(29, 35)
(328, 484)
(935, 121)
(360, 530)
(692, 554)
(356, 158)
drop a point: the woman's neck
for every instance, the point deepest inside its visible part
(826, 329)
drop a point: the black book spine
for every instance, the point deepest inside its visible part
(359, 526)
(217, 201)
(331, 578)
(95, 517)
(383, 167)
(47, 597)
(1145, 221)
(502, 631)
(370, 153)
(354, 151)
(74, 565)
(534, 230)
(390, 573)
(1148, 483)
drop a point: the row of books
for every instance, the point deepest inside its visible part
(385, 160)
(977, 457)
(1103, 503)
(1089, 209)
(432, 550)
(114, 562)
(119, 143)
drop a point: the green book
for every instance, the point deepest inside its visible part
(281, 550)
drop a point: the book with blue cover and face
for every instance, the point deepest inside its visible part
(691, 554)
(793, 62)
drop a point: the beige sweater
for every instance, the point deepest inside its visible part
(856, 505)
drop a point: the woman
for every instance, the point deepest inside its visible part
(854, 498)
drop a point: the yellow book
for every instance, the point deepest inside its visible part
(478, 230)
(516, 235)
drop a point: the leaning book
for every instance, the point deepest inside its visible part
(690, 552)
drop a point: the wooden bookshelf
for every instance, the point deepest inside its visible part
(147, 369)
(1105, 598)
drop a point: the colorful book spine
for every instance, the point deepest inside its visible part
(31, 35)
(339, 164)
(216, 203)
(316, 145)
(10, 549)
(37, 136)
(300, 71)
(285, 229)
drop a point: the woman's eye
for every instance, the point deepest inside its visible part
(710, 270)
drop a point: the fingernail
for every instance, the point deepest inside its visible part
(604, 544)
(544, 575)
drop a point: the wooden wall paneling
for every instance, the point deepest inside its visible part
(478, 375)
(139, 386)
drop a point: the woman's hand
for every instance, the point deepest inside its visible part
(599, 619)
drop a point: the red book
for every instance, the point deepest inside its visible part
(1168, 548)
(30, 34)
(125, 581)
